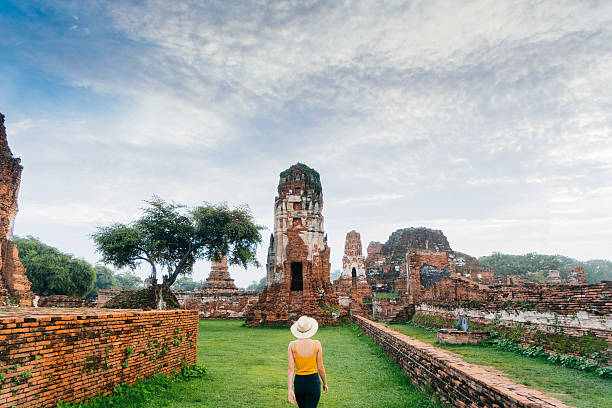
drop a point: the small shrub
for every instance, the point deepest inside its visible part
(193, 371)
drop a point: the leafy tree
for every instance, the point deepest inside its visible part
(105, 279)
(128, 280)
(170, 237)
(52, 272)
(187, 283)
(257, 286)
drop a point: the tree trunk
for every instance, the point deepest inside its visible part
(159, 296)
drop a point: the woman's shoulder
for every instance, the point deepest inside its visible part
(317, 342)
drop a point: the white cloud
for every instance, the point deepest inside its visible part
(488, 120)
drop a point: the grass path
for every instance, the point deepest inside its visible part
(576, 388)
(247, 367)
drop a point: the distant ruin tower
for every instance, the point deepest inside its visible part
(14, 285)
(353, 262)
(352, 286)
(219, 279)
(297, 280)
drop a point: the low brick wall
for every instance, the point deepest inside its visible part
(49, 355)
(213, 304)
(104, 295)
(580, 335)
(462, 337)
(456, 382)
(63, 301)
(456, 292)
(210, 303)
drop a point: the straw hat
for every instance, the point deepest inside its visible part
(305, 327)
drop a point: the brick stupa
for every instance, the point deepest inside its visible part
(14, 285)
(298, 258)
(352, 286)
(219, 279)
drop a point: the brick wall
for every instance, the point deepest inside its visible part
(387, 309)
(48, 355)
(579, 335)
(212, 305)
(456, 382)
(63, 301)
(561, 299)
(104, 295)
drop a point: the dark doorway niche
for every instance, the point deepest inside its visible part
(354, 276)
(297, 282)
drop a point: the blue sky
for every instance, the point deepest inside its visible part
(488, 120)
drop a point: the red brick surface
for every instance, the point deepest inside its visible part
(14, 285)
(219, 278)
(48, 355)
(211, 304)
(456, 382)
(561, 299)
(63, 301)
(462, 337)
(299, 238)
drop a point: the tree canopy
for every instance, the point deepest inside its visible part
(105, 279)
(52, 272)
(595, 270)
(170, 237)
(128, 280)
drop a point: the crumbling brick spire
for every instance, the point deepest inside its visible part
(219, 278)
(14, 285)
(4, 147)
(352, 287)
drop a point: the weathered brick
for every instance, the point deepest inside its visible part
(87, 348)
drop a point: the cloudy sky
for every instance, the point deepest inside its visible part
(490, 120)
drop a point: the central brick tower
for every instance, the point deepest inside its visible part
(298, 266)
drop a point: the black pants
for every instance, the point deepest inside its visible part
(307, 390)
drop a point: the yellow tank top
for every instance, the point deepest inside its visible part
(305, 365)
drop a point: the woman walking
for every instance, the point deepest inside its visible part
(306, 359)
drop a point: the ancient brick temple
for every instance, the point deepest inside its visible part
(386, 264)
(219, 278)
(14, 285)
(298, 258)
(352, 287)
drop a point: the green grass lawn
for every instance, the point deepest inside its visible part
(573, 387)
(247, 367)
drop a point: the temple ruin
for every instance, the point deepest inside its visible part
(219, 279)
(353, 288)
(298, 265)
(14, 285)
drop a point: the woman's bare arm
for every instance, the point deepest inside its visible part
(320, 366)
(290, 370)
